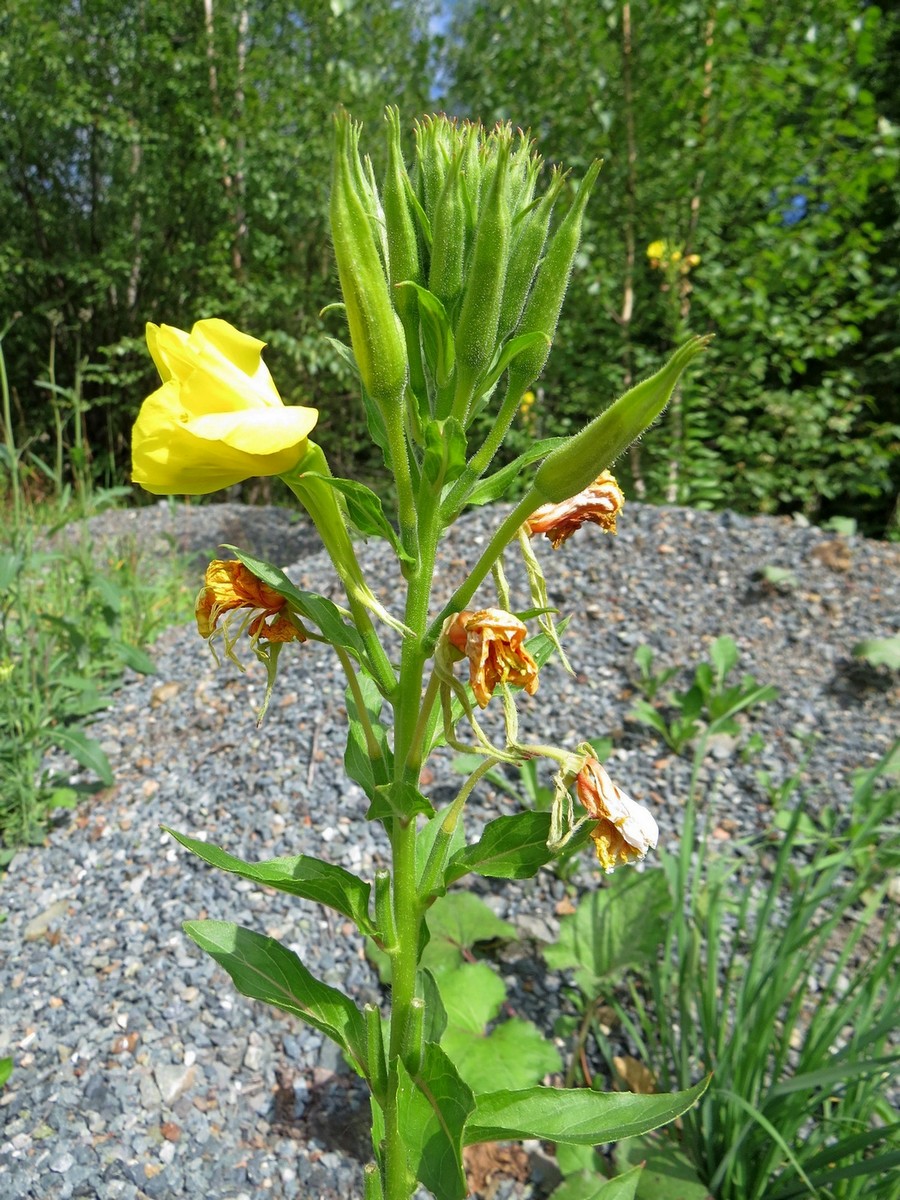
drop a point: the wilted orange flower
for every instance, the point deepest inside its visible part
(231, 586)
(600, 503)
(625, 830)
(494, 643)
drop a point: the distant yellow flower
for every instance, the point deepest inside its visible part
(494, 643)
(625, 830)
(657, 249)
(217, 419)
(229, 587)
(600, 503)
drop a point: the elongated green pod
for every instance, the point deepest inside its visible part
(405, 263)
(448, 238)
(375, 331)
(476, 330)
(526, 254)
(543, 306)
(573, 466)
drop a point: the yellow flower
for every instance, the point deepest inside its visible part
(230, 586)
(625, 830)
(600, 503)
(494, 643)
(656, 249)
(217, 419)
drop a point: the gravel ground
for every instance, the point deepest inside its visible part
(139, 1072)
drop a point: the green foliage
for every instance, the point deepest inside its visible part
(767, 144)
(779, 980)
(880, 652)
(70, 623)
(708, 706)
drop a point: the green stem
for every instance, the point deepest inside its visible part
(464, 593)
(481, 459)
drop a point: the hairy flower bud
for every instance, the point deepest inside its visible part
(376, 334)
(574, 465)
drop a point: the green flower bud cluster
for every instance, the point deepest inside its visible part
(453, 274)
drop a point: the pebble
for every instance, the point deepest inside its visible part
(94, 916)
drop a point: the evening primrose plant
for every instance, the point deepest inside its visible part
(452, 276)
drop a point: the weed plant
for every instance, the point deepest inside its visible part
(71, 620)
(777, 972)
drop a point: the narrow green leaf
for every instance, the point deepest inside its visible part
(445, 451)
(365, 511)
(6, 1066)
(363, 767)
(495, 486)
(300, 875)
(576, 1115)
(263, 969)
(86, 751)
(440, 347)
(432, 1109)
(134, 657)
(513, 348)
(511, 847)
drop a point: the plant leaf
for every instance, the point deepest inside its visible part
(574, 1115)
(495, 486)
(318, 609)
(432, 1109)
(365, 510)
(620, 925)
(300, 875)
(511, 847)
(263, 969)
(86, 751)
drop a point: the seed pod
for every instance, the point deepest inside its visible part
(578, 462)
(542, 309)
(448, 238)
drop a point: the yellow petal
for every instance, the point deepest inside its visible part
(236, 347)
(257, 431)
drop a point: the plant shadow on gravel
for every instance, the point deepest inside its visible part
(336, 1113)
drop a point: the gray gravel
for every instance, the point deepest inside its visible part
(138, 1070)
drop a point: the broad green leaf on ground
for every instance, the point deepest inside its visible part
(513, 1055)
(456, 924)
(86, 751)
(668, 1173)
(511, 847)
(880, 652)
(590, 1185)
(263, 969)
(575, 1115)
(300, 875)
(433, 1107)
(618, 926)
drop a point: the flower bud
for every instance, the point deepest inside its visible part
(476, 331)
(577, 463)
(375, 330)
(542, 310)
(527, 249)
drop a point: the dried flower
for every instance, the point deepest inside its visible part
(625, 830)
(494, 643)
(600, 503)
(231, 586)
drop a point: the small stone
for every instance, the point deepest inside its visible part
(173, 1080)
(62, 1163)
(37, 927)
